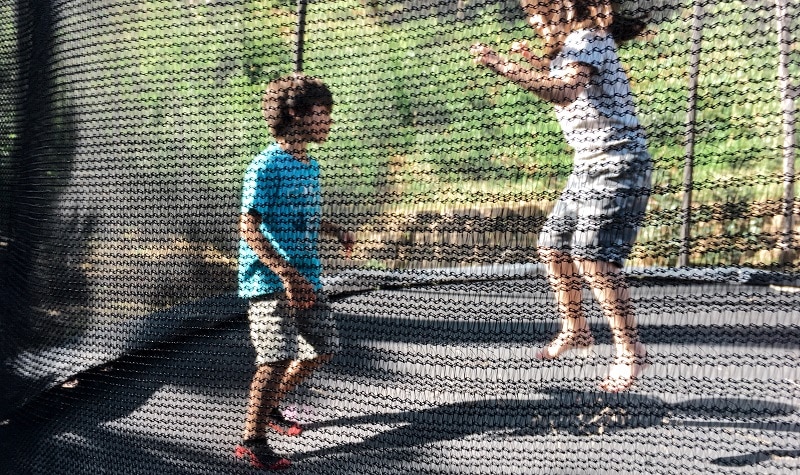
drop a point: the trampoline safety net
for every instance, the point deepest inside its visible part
(399, 236)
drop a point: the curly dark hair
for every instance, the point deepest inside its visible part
(298, 93)
(597, 12)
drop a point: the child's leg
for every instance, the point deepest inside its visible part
(254, 448)
(612, 292)
(298, 371)
(265, 395)
(566, 282)
(269, 387)
(318, 343)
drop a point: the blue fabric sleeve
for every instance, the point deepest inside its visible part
(258, 187)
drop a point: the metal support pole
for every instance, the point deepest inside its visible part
(300, 33)
(787, 108)
(691, 117)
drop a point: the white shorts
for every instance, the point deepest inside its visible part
(281, 333)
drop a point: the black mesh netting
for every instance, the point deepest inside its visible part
(126, 129)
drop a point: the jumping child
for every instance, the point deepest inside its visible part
(595, 221)
(279, 263)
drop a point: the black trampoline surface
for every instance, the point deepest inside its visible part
(442, 379)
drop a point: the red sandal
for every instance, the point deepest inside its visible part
(260, 456)
(280, 424)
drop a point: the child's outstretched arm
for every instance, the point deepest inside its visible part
(560, 91)
(299, 290)
(536, 62)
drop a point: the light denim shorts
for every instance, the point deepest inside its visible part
(281, 333)
(601, 208)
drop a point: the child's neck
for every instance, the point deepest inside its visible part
(295, 147)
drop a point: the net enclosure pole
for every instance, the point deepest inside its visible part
(787, 107)
(691, 117)
(300, 33)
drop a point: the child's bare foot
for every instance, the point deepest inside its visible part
(567, 340)
(626, 370)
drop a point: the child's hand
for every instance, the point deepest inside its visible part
(489, 58)
(348, 240)
(484, 55)
(300, 292)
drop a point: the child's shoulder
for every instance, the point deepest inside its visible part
(589, 45)
(266, 162)
(274, 151)
(273, 160)
(269, 155)
(588, 36)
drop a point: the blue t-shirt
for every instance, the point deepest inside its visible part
(286, 194)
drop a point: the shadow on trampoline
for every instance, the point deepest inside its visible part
(562, 412)
(755, 458)
(100, 418)
(147, 408)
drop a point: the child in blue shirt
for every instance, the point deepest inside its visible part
(279, 263)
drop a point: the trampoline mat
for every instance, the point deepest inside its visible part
(442, 379)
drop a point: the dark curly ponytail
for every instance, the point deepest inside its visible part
(623, 28)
